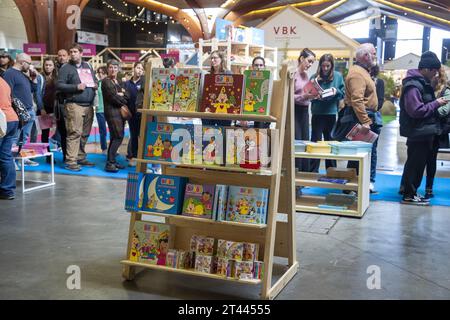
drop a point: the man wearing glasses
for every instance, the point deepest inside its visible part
(22, 78)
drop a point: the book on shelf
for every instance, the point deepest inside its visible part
(220, 202)
(213, 137)
(151, 242)
(247, 205)
(134, 196)
(163, 194)
(187, 89)
(198, 200)
(360, 133)
(162, 91)
(258, 92)
(222, 93)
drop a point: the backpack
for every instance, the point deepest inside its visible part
(21, 111)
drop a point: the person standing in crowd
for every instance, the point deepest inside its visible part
(7, 169)
(419, 123)
(77, 83)
(6, 62)
(62, 59)
(49, 98)
(361, 96)
(22, 79)
(135, 87)
(442, 89)
(38, 104)
(114, 97)
(302, 101)
(102, 73)
(324, 110)
(217, 67)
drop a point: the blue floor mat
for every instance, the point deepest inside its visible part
(387, 185)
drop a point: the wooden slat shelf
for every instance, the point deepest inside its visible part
(208, 115)
(330, 156)
(190, 272)
(203, 220)
(310, 203)
(266, 172)
(308, 179)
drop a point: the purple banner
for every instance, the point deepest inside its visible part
(130, 57)
(89, 50)
(35, 49)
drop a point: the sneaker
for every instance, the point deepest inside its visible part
(119, 166)
(72, 167)
(86, 163)
(429, 194)
(29, 163)
(111, 168)
(372, 188)
(415, 200)
(6, 197)
(423, 198)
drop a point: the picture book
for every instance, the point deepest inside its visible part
(150, 242)
(313, 88)
(258, 89)
(223, 267)
(172, 258)
(250, 251)
(205, 246)
(230, 249)
(220, 202)
(162, 91)
(187, 89)
(203, 263)
(213, 138)
(134, 196)
(158, 142)
(182, 259)
(358, 133)
(198, 201)
(248, 205)
(258, 270)
(222, 93)
(163, 194)
(243, 270)
(253, 151)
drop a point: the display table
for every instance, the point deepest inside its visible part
(360, 185)
(43, 184)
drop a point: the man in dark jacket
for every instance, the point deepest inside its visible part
(419, 123)
(77, 84)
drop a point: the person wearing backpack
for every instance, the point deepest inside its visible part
(7, 168)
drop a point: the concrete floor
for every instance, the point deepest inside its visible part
(81, 222)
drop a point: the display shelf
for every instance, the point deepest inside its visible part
(190, 272)
(207, 115)
(309, 179)
(307, 203)
(203, 220)
(331, 156)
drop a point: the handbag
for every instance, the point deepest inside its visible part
(125, 113)
(345, 122)
(21, 111)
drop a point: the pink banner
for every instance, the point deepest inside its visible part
(89, 50)
(175, 55)
(129, 57)
(35, 49)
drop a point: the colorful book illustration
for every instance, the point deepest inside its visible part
(86, 77)
(213, 145)
(198, 201)
(256, 144)
(220, 202)
(150, 242)
(162, 89)
(158, 142)
(358, 133)
(250, 252)
(313, 88)
(135, 191)
(243, 270)
(222, 93)
(248, 205)
(163, 194)
(258, 89)
(186, 89)
(230, 250)
(203, 263)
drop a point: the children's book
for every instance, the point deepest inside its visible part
(243, 270)
(248, 205)
(205, 246)
(135, 191)
(187, 89)
(254, 146)
(251, 251)
(162, 91)
(163, 194)
(358, 133)
(258, 92)
(198, 201)
(151, 242)
(158, 142)
(222, 93)
(313, 88)
(220, 202)
(213, 145)
(230, 250)
(203, 263)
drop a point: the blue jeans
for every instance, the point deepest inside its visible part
(7, 168)
(24, 132)
(102, 129)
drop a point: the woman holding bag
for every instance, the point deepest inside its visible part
(115, 103)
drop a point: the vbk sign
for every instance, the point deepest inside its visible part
(283, 30)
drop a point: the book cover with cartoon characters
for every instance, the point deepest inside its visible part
(248, 205)
(135, 191)
(222, 93)
(220, 202)
(163, 193)
(187, 89)
(151, 242)
(158, 141)
(198, 200)
(213, 149)
(254, 145)
(257, 92)
(162, 89)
